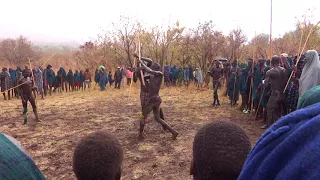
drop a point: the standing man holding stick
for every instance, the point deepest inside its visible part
(217, 74)
(25, 91)
(276, 78)
(233, 86)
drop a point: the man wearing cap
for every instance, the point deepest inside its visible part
(118, 78)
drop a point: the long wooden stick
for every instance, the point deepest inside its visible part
(251, 86)
(14, 87)
(49, 59)
(139, 49)
(255, 116)
(301, 37)
(300, 54)
(134, 64)
(252, 78)
(270, 54)
(234, 84)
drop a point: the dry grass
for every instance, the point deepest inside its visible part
(67, 117)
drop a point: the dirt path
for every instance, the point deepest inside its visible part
(67, 117)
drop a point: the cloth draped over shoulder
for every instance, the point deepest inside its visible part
(186, 74)
(38, 79)
(5, 81)
(13, 76)
(175, 72)
(50, 77)
(312, 96)
(257, 80)
(62, 73)
(310, 76)
(244, 82)
(289, 149)
(15, 163)
(70, 77)
(233, 84)
(199, 76)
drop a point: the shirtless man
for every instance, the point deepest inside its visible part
(144, 92)
(276, 78)
(155, 100)
(25, 92)
(216, 73)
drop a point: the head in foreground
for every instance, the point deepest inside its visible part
(98, 156)
(219, 151)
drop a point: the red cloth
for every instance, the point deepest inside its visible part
(129, 74)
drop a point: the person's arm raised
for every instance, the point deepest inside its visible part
(147, 69)
(148, 60)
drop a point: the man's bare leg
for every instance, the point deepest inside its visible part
(141, 129)
(25, 111)
(34, 107)
(145, 112)
(50, 90)
(162, 117)
(156, 112)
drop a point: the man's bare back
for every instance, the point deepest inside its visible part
(277, 77)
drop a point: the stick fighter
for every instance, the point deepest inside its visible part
(25, 92)
(154, 100)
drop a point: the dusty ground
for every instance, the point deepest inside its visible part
(67, 117)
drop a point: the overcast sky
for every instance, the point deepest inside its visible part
(80, 20)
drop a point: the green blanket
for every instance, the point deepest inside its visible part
(15, 164)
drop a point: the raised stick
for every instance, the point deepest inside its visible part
(139, 49)
(301, 37)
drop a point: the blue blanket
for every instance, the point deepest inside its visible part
(289, 149)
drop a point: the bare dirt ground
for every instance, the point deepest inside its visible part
(67, 117)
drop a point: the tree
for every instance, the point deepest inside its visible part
(159, 42)
(86, 56)
(206, 45)
(235, 44)
(124, 36)
(18, 51)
